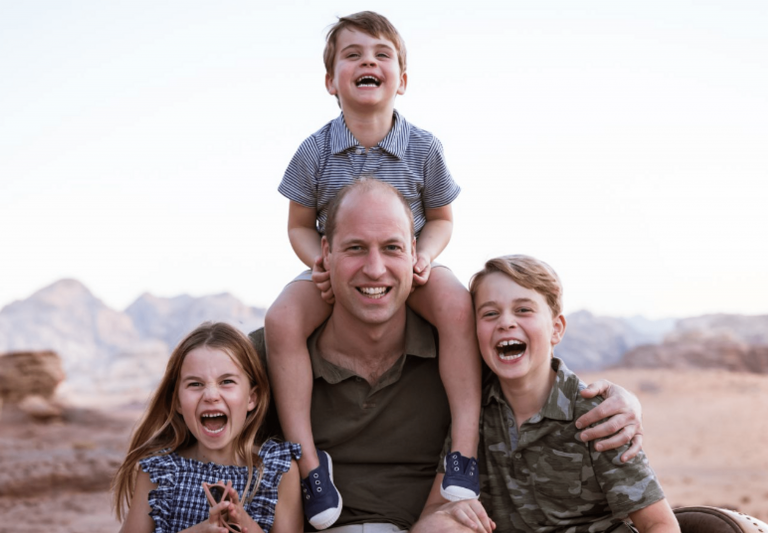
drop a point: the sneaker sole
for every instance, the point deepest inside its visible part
(328, 517)
(455, 494)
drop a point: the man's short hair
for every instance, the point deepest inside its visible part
(527, 272)
(367, 22)
(364, 184)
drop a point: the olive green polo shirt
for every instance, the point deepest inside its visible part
(385, 440)
(542, 478)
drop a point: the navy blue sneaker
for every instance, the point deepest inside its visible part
(322, 502)
(462, 478)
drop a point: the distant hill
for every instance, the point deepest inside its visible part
(594, 342)
(106, 350)
(729, 342)
(110, 350)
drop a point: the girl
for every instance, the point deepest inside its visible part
(193, 463)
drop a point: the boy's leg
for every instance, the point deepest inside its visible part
(296, 313)
(289, 322)
(447, 305)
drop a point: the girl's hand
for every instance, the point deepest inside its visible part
(236, 513)
(227, 514)
(322, 278)
(217, 516)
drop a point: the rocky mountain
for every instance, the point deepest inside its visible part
(108, 351)
(694, 352)
(169, 319)
(105, 350)
(594, 342)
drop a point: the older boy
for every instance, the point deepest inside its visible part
(365, 70)
(535, 474)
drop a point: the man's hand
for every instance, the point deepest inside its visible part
(621, 416)
(421, 270)
(322, 278)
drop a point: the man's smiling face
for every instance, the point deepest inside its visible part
(372, 257)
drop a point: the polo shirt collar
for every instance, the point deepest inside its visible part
(558, 406)
(419, 342)
(394, 143)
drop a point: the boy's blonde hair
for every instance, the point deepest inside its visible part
(162, 429)
(527, 272)
(369, 23)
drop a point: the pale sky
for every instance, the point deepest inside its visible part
(625, 143)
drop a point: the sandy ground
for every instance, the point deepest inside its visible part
(705, 437)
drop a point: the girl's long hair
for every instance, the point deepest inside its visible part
(162, 429)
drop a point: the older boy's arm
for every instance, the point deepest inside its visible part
(621, 416)
(434, 237)
(656, 518)
(303, 234)
(441, 516)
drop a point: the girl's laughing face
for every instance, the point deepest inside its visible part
(215, 396)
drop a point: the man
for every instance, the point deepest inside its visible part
(378, 406)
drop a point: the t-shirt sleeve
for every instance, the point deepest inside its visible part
(439, 187)
(628, 487)
(299, 183)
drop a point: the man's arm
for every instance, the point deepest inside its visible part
(621, 416)
(441, 516)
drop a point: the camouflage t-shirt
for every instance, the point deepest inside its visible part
(543, 478)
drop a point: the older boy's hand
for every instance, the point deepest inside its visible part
(322, 278)
(461, 516)
(421, 270)
(621, 416)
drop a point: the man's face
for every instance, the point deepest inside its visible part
(371, 262)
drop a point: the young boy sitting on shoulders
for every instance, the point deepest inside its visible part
(365, 70)
(536, 475)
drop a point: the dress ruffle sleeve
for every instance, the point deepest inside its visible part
(276, 457)
(162, 471)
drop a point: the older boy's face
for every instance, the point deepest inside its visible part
(515, 329)
(366, 72)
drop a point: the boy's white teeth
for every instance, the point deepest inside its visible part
(509, 350)
(211, 415)
(368, 81)
(374, 292)
(508, 343)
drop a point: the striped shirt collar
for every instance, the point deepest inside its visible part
(394, 143)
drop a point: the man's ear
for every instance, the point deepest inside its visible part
(329, 84)
(414, 257)
(558, 329)
(403, 83)
(325, 247)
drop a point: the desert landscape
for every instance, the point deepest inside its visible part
(705, 435)
(75, 376)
